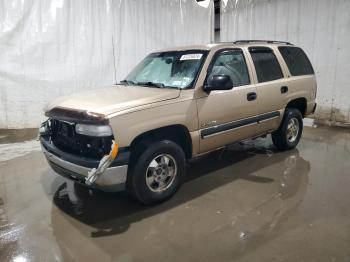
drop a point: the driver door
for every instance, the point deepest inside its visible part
(227, 116)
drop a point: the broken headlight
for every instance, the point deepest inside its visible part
(44, 128)
(93, 130)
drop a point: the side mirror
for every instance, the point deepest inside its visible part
(218, 82)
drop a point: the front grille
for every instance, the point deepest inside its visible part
(65, 138)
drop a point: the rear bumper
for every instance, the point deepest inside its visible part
(76, 168)
(314, 109)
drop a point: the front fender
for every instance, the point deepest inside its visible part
(126, 127)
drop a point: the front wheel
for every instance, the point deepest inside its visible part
(157, 172)
(288, 134)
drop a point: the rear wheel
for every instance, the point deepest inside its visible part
(288, 134)
(157, 172)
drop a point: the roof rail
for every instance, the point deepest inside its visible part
(262, 41)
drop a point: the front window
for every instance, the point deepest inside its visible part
(232, 63)
(175, 69)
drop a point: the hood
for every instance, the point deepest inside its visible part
(112, 99)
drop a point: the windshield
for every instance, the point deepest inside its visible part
(176, 69)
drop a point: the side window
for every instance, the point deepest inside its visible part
(266, 65)
(296, 60)
(231, 63)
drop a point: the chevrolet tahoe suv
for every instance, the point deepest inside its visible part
(175, 105)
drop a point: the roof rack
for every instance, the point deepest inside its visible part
(262, 41)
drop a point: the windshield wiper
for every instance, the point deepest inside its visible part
(128, 82)
(149, 83)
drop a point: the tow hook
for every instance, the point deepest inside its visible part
(105, 162)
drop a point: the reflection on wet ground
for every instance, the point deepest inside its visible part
(245, 203)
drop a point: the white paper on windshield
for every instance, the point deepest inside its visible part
(191, 57)
(177, 83)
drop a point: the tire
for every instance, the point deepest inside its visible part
(288, 138)
(150, 180)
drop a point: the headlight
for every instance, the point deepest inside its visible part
(93, 130)
(44, 128)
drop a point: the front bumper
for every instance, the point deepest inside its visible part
(76, 168)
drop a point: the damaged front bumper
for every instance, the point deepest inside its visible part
(77, 168)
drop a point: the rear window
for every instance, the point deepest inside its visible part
(266, 65)
(296, 60)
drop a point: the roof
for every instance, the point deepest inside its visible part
(228, 44)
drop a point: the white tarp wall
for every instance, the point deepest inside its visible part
(320, 27)
(53, 48)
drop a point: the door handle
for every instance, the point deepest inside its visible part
(284, 89)
(251, 96)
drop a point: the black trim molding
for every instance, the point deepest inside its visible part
(239, 123)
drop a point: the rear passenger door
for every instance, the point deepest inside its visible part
(270, 87)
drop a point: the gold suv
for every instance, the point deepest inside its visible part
(177, 104)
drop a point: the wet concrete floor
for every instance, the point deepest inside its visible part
(246, 203)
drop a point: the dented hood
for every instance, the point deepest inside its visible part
(112, 99)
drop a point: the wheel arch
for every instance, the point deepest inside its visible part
(177, 133)
(299, 103)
